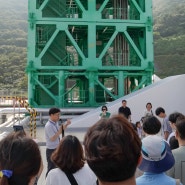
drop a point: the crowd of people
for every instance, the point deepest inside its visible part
(113, 150)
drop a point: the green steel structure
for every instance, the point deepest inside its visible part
(83, 53)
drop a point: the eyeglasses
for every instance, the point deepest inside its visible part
(104, 109)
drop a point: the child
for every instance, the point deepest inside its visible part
(139, 129)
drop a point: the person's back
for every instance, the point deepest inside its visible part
(113, 151)
(166, 128)
(157, 159)
(83, 176)
(178, 170)
(70, 161)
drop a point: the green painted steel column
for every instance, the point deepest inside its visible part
(91, 88)
(61, 88)
(120, 84)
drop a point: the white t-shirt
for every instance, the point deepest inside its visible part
(84, 176)
(171, 135)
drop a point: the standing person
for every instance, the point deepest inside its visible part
(104, 114)
(148, 111)
(20, 160)
(172, 119)
(166, 128)
(113, 151)
(70, 161)
(125, 111)
(52, 134)
(157, 159)
(177, 171)
(139, 129)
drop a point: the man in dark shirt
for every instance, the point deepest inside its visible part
(124, 110)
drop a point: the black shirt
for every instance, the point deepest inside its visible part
(125, 111)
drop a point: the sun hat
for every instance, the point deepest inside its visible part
(156, 155)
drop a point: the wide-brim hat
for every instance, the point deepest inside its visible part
(156, 155)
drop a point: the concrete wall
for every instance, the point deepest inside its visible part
(168, 93)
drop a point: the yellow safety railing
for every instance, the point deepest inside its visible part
(33, 115)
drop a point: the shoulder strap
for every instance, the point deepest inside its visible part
(97, 183)
(62, 131)
(177, 181)
(71, 178)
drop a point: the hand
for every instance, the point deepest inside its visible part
(68, 122)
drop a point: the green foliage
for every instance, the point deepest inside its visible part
(13, 43)
(169, 39)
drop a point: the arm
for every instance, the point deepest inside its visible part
(61, 128)
(56, 136)
(119, 111)
(166, 134)
(129, 118)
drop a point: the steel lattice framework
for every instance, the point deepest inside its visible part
(83, 53)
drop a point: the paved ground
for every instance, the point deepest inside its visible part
(40, 138)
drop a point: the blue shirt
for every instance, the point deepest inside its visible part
(166, 126)
(51, 128)
(155, 179)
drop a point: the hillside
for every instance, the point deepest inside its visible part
(13, 43)
(169, 39)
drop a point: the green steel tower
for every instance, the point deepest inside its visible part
(83, 53)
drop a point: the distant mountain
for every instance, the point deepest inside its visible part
(13, 44)
(169, 39)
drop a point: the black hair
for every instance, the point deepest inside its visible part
(54, 110)
(124, 101)
(148, 104)
(159, 110)
(173, 142)
(174, 116)
(180, 128)
(151, 125)
(104, 107)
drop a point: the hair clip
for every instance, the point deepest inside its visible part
(7, 173)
